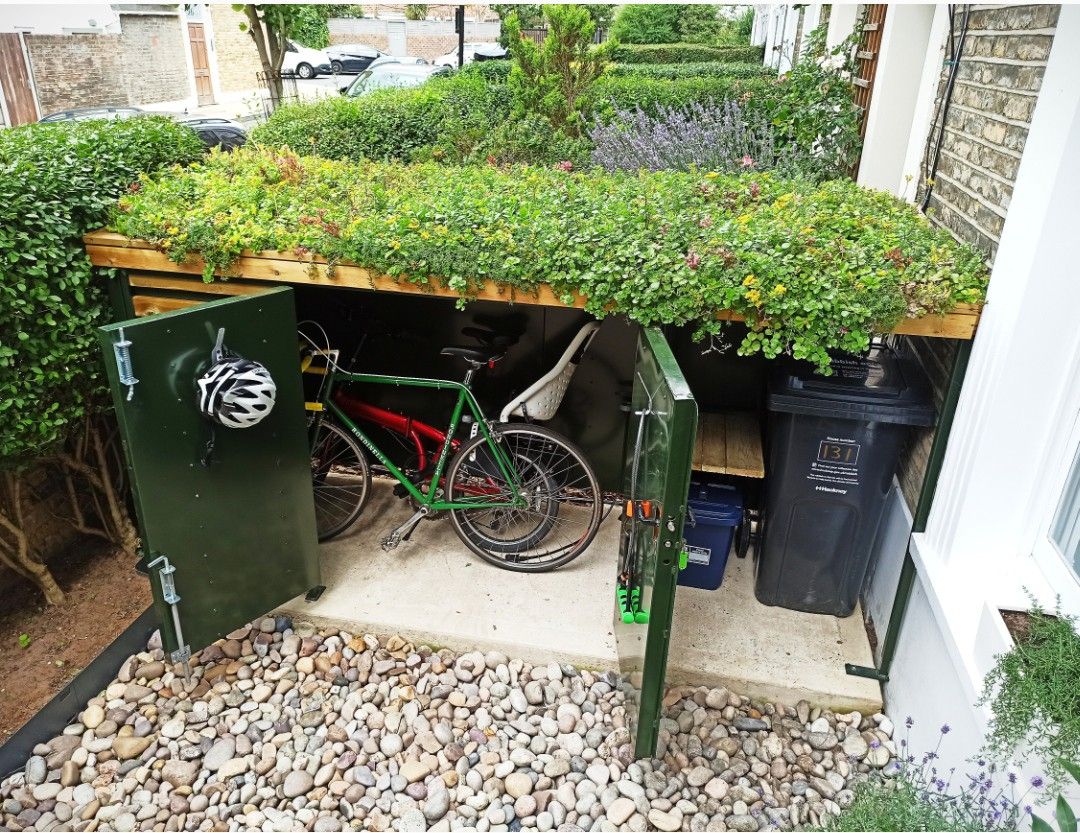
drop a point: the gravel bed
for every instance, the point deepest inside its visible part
(287, 728)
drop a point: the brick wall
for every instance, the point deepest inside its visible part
(144, 64)
(77, 71)
(153, 54)
(237, 58)
(997, 85)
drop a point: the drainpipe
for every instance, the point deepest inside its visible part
(922, 511)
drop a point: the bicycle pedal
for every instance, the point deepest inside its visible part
(389, 542)
(400, 491)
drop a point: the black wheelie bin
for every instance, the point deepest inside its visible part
(833, 447)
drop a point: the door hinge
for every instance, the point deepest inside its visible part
(168, 594)
(122, 352)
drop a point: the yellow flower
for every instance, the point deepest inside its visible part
(173, 230)
(744, 219)
(749, 280)
(425, 235)
(395, 244)
(711, 175)
(779, 289)
(441, 229)
(414, 223)
(753, 296)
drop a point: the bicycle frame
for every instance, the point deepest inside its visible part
(464, 398)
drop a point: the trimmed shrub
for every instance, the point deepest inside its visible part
(700, 69)
(685, 53)
(443, 119)
(58, 181)
(493, 72)
(647, 23)
(532, 140)
(629, 92)
(812, 268)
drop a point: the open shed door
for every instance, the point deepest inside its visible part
(230, 535)
(659, 452)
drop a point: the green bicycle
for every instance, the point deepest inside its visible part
(519, 495)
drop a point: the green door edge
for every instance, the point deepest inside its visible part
(680, 459)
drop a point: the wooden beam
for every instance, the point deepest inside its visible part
(139, 257)
(158, 280)
(153, 304)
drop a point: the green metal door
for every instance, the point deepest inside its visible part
(231, 534)
(660, 445)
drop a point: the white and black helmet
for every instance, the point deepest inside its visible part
(235, 392)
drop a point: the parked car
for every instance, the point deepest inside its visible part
(395, 59)
(352, 57)
(305, 62)
(473, 52)
(214, 131)
(392, 75)
(87, 113)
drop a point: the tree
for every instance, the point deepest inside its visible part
(699, 23)
(647, 24)
(550, 79)
(416, 11)
(270, 25)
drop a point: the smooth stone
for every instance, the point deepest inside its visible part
(222, 751)
(621, 809)
(36, 770)
(517, 784)
(130, 746)
(661, 820)
(297, 783)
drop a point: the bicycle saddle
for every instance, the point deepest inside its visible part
(473, 354)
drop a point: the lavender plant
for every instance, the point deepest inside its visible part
(915, 793)
(712, 137)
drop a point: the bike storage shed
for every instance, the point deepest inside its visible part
(228, 527)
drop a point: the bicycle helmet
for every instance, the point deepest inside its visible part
(236, 392)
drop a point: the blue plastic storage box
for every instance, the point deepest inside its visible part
(716, 510)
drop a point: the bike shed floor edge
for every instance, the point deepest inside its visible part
(432, 590)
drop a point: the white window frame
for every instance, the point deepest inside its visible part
(1062, 450)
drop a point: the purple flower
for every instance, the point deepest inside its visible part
(1037, 782)
(909, 721)
(946, 729)
(874, 744)
(1012, 777)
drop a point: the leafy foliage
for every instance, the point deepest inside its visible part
(700, 69)
(551, 79)
(1063, 813)
(531, 140)
(443, 119)
(812, 268)
(416, 11)
(629, 92)
(813, 106)
(647, 23)
(1034, 696)
(310, 26)
(893, 806)
(58, 181)
(683, 53)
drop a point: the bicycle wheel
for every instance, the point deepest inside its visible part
(340, 479)
(563, 500)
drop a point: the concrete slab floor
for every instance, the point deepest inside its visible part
(727, 637)
(433, 591)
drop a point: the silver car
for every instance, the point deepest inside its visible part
(388, 76)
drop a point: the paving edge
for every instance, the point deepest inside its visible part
(50, 720)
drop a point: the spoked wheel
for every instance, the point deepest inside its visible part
(561, 502)
(340, 479)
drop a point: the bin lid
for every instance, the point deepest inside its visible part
(715, 501)
(878, 387)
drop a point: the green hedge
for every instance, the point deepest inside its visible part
(685, 53)
(700, 69)
(494, 72)
(58, 181)
(629, 91)
(444, 118)
(813, 268)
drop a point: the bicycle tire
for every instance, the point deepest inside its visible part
(562, 464)
(337, 504)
